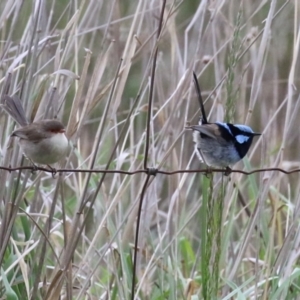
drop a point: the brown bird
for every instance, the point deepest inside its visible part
(43, 142)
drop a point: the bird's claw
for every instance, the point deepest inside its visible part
(53, 171)
(34, 168)
(227, 171)
(208, 171)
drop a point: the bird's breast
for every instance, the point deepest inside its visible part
(215, 152)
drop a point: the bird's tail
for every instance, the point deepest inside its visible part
(203, 119)
(13, 106)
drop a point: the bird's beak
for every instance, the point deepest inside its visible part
(256, 133)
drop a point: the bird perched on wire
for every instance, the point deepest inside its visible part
(220, 144)
(43, 142)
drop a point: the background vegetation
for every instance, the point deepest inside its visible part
(91, 64)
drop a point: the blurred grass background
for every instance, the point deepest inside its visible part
(89, 64)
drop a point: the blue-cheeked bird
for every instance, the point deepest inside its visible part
(220, 144)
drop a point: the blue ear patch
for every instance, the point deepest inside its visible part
(242, 138)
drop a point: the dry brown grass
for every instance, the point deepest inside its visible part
(89, 63)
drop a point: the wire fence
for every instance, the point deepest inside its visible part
(151, 171)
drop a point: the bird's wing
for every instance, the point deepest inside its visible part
(29, 131)
(20, 133)
(211, 130)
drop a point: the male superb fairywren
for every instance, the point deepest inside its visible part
(220, 144)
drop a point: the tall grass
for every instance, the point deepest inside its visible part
(71, 235)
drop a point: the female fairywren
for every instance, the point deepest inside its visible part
(220, 144)
(44, 141)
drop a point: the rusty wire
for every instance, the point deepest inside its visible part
(151, 170)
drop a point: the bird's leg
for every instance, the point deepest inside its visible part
(208, 171)
(34, 166)
(53, 171)
(208, 168)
